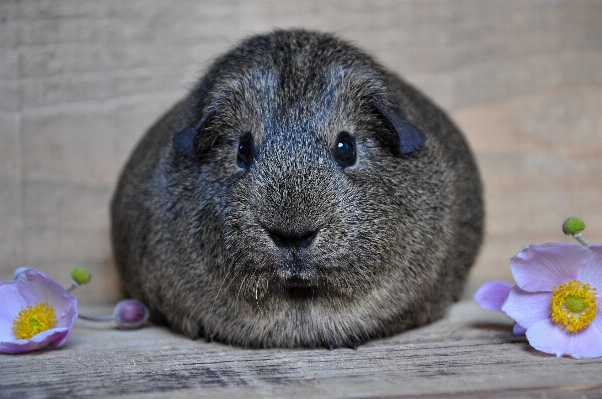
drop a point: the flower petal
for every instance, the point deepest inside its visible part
(38, 341)
(37, 287)
(12, 303)
(518, 330)
(598, 320)
(67, 322)
(592, 270)
(60, 339)
(527, 308)
(492, 295)
(548, 337)
(538, 268)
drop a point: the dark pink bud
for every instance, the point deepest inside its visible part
(130, 314)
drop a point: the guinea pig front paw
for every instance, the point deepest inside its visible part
(355, 345)
(352, 345)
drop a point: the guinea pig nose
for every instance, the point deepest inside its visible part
(286, 239)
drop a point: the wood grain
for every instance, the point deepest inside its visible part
(471, 353)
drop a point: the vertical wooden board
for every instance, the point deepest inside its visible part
(87, 143)
(71, 158)
(540, 156)
(11, 226)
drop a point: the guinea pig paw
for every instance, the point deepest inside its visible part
(351, 345)
(354, 345)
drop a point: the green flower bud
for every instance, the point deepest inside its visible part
(573, 226)
(80, 275)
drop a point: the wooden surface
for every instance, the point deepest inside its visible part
(81, 80)
(469, 354)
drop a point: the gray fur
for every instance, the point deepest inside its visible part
(195, 235)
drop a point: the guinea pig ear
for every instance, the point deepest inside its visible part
(409, 138)
(185, 142)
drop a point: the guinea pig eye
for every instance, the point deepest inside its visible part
(246, 150)
(344, 149)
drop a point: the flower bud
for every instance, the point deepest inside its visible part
(80, 275)
(573, 226)
(130, 314)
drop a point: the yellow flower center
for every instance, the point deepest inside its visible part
(33, 320)
(573, 305)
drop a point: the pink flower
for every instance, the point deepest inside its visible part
(556, 299)
(35, 311)
(492, 295)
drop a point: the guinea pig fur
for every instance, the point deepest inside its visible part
(301, 195)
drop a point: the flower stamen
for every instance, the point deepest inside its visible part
(33, 320)
(573, 305)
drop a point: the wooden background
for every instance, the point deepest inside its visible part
(81, 80)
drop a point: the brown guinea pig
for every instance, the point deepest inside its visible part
(300, 196)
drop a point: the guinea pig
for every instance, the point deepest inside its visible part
(301, 195)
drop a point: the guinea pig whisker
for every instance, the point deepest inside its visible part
(238, 270)
(219, 290)
(238, 255)
(356, 267)
(244, 280)
(209, 153)
(257, 297)
(144, 244)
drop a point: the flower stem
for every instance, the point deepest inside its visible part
(72, 286)
(100, 318)
(579, 237)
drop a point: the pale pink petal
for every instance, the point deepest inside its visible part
(67, 322)
(11, 300)
(598, 320)
(61, 339)
(548, 337)
(20, 270)
(492, 295)
(38, 341)
(592, 270)
(538, 268)
(35, 286)
(527, 308)
(6, 330)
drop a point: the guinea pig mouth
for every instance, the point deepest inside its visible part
(297, 288)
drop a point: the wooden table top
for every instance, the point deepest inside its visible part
(471, 353)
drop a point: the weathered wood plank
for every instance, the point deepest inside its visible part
(470, 353)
